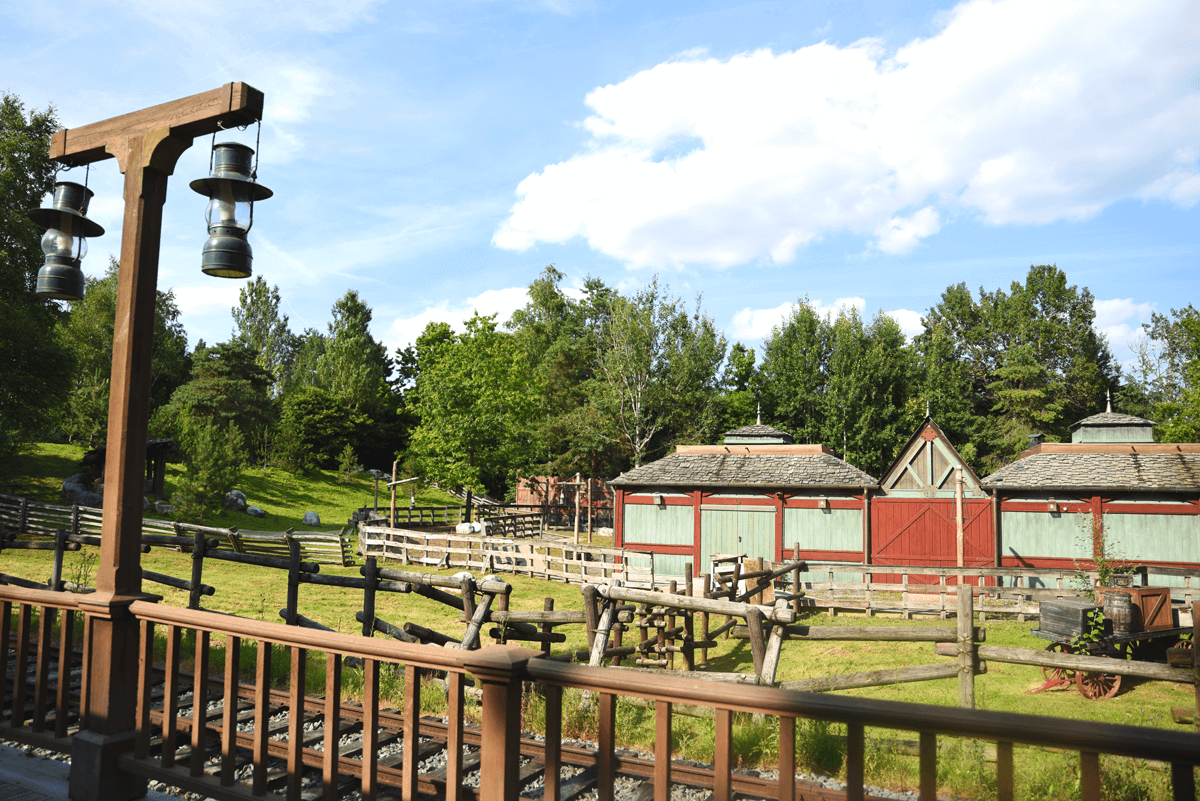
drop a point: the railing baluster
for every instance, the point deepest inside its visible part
(928, 751)
(85, 678)
(5, 636)
(553, 741)
(333, 712)
(41, 673)
(66, 635)
(18, 715)
(370, 711)
(662, 751)
(262, 717)
(170, 697)
(1004, 771)
(723, 756)
(141, 743)
(295, 744)
(1183, 782)
(787, 759)
(412, 719)
(605, 757)
(454, 736)
(1089, 776)
(233, 673)
(855, 754)
(199, 702)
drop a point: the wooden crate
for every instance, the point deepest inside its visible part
(1065, 617)
(1153, 605)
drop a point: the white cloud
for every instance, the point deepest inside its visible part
(1017, 111)
(751, 324)
(909, 321)
(501, 302)
(207, 298)
(1120, 320)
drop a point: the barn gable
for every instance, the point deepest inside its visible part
(926, 467)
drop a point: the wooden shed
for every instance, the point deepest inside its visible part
(756, 494)
(1145, 495)
(931, 508)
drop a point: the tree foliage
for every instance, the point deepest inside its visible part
(36, 368)
(477, 400)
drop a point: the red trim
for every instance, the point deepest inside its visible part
(779, 527)
(685, 550)
(1043, 506)
(697, 499)
(1151, 509)
(827, 556)
(739, 501)
(619, 521)
(667, 501)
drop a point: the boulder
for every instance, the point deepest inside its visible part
(254, 511)
(75, 488)
(311, 519)
(468, 528)
(164, 508)
(235, 500)
(604, 531)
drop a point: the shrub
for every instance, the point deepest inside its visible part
(215, 457)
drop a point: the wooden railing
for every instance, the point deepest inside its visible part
(512, 525)
(548, 559)
(172, 730)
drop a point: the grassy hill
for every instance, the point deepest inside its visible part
(284, 496)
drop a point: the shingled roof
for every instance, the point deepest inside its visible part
(747, 470)
(1143, 472)
(1112, 419)
(758, 430)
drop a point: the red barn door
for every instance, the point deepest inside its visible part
(923, 531)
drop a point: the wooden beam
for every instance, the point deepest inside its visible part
(231, 105)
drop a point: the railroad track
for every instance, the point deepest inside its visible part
(171, 748)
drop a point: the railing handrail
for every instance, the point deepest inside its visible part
(424, 656)
(50, 598)
(1110, 738)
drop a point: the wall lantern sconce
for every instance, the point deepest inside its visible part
(1053, 506)
(231, 191)
(822, 502)
(65, 241)
(659, 500)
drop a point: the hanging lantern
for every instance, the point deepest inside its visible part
(65, 241)
(231, 191)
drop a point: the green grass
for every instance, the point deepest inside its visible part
(285, 497)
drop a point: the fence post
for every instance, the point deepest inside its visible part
(199, 547)
(966, 646)
(293, 590)
(370, 572)
(60, 545)
(499, 669)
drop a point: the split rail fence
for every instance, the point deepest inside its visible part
(250, 738)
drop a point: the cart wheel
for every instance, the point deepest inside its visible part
(1097, 685)
(1058, 674)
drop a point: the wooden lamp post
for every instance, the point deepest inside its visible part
(146, 144)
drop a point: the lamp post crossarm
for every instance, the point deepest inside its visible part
(233, 104)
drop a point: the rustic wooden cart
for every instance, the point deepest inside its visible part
(1071, 627)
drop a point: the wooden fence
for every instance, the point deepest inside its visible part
(548, 559)
(234, 746)
(1007, 590)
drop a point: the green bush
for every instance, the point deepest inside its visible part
(315, 428)
(215, 456)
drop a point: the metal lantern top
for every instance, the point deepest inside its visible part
(231, 162)
(68, 210)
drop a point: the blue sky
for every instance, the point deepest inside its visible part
(436, 156)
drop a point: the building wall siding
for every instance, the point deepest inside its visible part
(1042, 534)
(1153, 538)
(651, 524)
(823, 529)
(737, 531)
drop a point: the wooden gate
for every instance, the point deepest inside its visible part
(748, 530)
(923, 531)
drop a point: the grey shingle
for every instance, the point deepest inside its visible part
(1113, 419)
(1144, 472)
(747, 470)
(758, 430)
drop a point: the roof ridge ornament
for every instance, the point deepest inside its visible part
(1109, 394)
